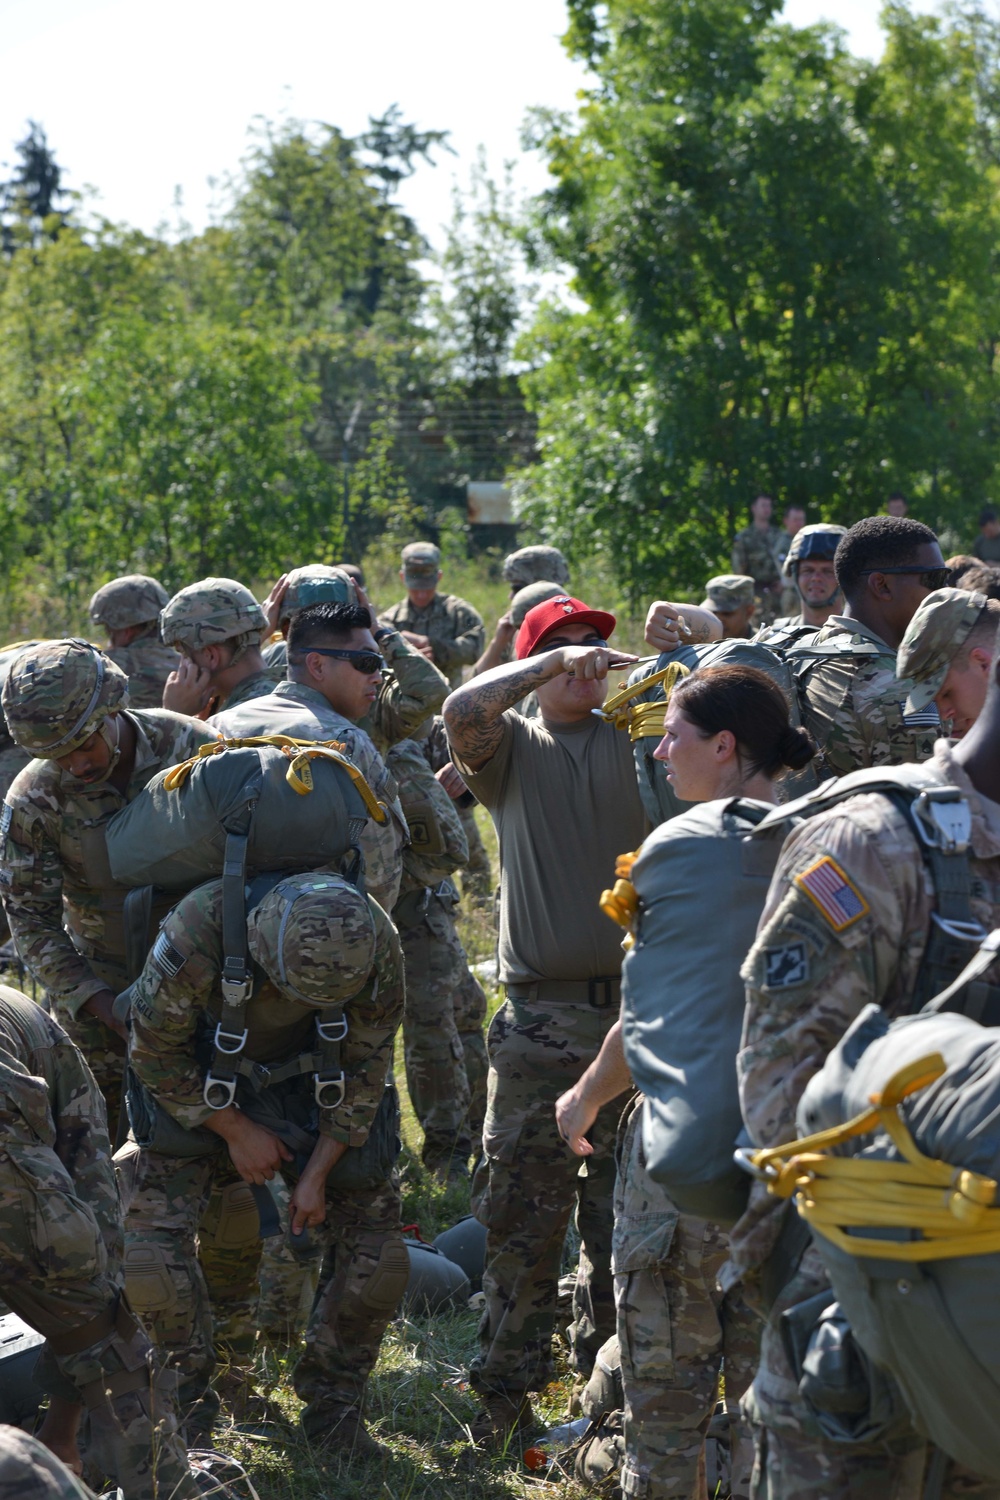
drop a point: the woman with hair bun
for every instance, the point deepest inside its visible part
(692, 898)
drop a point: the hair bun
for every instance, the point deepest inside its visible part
(796, 748)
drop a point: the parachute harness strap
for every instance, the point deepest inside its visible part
(299, 774)
(947, 1210)
(643, 719)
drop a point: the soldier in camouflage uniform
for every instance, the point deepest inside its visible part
(321, 952)
(947, 653)
(129, 609)
(809, 569)
(501, 647)
(534, 564)
(759, 550)
(437, 969)
(846, 924)
(451, 631)
(66, 703)
(730, 597)
(217, 626)
(853, 704)
(61, 1263)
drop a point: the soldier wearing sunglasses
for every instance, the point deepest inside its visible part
(853, 703)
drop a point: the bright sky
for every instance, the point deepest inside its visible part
(141, 98)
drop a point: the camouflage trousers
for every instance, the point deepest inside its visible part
(676, 1331)
(103, 1048)
(57, 1273)
(288, 1278)
(364, 1275)
(443, 1040)
(527, 1187)
(794, 1461)
(477, 874)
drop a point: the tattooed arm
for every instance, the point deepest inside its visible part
(473, 714)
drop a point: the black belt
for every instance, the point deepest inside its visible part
(601, 992)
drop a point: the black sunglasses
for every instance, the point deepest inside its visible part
(366, 662)
(932, 578)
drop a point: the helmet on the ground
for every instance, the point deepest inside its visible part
(210, 612)
(314, 937)
(134, 599)
(56, 694)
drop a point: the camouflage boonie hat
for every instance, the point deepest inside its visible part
(934, 637)
(316, 584)
(532, 594)
(534, 564)
(820, 540)
(210, 612)
(421, 562)
(314, 937)
(131, 600)
(56, 695)
(728, 592)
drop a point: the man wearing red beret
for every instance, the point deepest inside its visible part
(561, 789)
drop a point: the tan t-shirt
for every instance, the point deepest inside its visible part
(565, 802)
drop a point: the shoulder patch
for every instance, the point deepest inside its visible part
(168, 959)
(921, 718)
(785, 966)
(5, 817)
(832, 891)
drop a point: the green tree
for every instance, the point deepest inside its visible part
(786, 260)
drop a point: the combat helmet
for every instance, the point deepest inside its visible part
(56, 694)
(314, 937)
(820, 541)
(316, 584)
(532, 594)
(210, 612)
(134, 599)
(531, 564)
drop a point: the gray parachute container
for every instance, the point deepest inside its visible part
(465, 1244)
(20, 1392)
(175, 839)
(701, 881)
(435, 1284)
(933, 1325)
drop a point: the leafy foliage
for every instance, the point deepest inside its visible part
(786, 258)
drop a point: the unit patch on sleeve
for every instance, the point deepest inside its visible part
(166, 957)
(5, 817)
(830, 889)
(785, 966)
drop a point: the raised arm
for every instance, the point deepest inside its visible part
(671, 625)
(474, 712)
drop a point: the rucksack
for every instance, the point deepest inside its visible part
(684, 998)
(438, 845)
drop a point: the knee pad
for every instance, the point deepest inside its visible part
(148, 1281)
(230, 1221)
(383, 1291)
(604, 1392)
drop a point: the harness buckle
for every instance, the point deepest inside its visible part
(743, 1156)
(229, 1042)
(218, 1093)
(943, 819)
(324, 1081)
(962, 932)
(236, 992)
(331, 1031)
(605, 985)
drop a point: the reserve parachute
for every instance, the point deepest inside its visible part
(299, 804)
(896, 1174)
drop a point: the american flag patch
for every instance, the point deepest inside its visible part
(828, 887)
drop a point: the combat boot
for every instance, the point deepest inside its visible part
(505, 1421)
(348, 1440)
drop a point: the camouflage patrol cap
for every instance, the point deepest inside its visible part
(934, 637)
(819, 541)
(316, 584)
(532, 594)
(421, 563)
(728, 592)
(314, 937)
(210, 612)
(133, 599)
(57, 693)
(533, 564)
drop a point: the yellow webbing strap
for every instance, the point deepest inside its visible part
(299, 774)
(953, 1211)
(642, 719)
